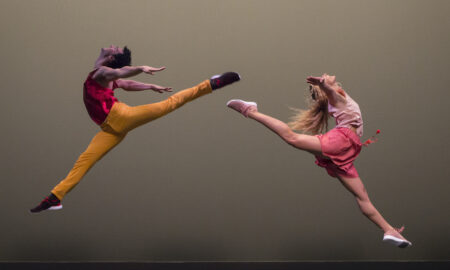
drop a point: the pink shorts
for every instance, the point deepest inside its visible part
(340, 146)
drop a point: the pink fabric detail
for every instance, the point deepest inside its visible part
(98, 99)
(340, 146)
(372, 139)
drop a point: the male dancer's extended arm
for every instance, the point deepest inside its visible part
(105, 75)
(130, 85)
(110, 74)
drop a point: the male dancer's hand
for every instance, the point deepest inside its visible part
(151, 70)
(160, 89)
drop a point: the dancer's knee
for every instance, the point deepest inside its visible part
(303, 142)
(293, 138)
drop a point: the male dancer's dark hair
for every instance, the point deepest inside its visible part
(121, 59)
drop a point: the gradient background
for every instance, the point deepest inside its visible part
(204, 183)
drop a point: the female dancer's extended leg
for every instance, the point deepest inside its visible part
(301, 141)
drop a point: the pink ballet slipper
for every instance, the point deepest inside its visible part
(244, 107)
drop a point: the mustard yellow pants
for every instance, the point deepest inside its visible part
(122, 119)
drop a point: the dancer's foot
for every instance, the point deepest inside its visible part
(244, 107)
(219, 81)
(49, 203)
(394, 237)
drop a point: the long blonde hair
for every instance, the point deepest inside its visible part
(315, 119)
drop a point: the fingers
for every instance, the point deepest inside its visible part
(152, 70)
(159, 69)
(167, 89)
(148, 71)
(314, 80)
(161, 89)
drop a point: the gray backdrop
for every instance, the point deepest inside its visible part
(204, 183)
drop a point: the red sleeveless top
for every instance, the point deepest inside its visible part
(98, 99)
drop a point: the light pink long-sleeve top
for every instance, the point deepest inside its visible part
(348, 116)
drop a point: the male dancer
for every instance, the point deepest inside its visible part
(115, 118)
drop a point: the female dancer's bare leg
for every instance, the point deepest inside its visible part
(312, 145)
(300, 141)
(356, 187)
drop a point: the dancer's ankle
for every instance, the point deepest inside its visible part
(252, 112)
(388, 229)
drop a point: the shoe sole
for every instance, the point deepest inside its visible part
(56, 207)
(396, 241)
(51, 208)
(251, 103)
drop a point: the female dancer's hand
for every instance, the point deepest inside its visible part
(160, 89)
(315, 80)
(151, 70)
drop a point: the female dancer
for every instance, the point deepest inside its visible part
(335, 150)
(115, 118)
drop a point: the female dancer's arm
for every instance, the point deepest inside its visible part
(329, 87)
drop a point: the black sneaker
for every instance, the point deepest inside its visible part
(49, 203)
(219, 81)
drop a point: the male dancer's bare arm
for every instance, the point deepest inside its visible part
(110, 74)
(130, 85)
